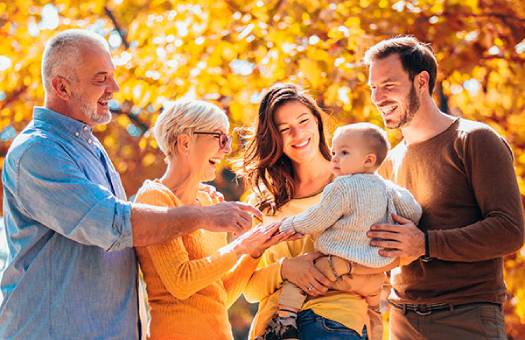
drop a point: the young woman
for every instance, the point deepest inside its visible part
(288, 164)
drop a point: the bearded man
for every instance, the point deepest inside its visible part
(461, 173)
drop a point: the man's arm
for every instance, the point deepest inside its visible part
(167, 223)
(152, 225)
(52, 190)
(489, 170)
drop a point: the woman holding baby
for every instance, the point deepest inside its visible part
(288, 165)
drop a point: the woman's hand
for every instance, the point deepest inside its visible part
(276, 237)
(212, 191)
(301, 271)
(257, 240)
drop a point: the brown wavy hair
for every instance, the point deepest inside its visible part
(266, 168)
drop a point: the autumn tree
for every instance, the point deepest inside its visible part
(229, 51)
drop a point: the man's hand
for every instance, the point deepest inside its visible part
(301, 271)
(398, 240)
(235, 217)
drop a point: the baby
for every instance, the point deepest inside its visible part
(355, 200)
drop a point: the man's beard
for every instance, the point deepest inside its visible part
(410, 111)
(102, 118)
(91, 113)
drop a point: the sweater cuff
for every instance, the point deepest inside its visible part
(228, 254)
(252, 259)
(431, 244)
(426, 243)
(286, 224)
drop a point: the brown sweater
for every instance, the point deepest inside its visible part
(464, 179)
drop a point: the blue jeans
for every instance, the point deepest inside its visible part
(314, 327)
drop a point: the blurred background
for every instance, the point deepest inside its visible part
(229, 51)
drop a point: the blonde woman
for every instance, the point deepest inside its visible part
(192, 280)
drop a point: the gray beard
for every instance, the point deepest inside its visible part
(93, 116)
(101, 119)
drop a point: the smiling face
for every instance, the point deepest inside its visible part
(299, 131)
(205, 153)
(93, 87)
(393, 92)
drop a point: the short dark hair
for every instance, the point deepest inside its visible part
(415, 56)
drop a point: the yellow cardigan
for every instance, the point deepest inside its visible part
(192, 280)
(263, 287)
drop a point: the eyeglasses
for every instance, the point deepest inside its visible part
(225, 141)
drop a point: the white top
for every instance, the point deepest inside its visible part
(348, 207)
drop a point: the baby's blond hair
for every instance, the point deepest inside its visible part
(374, 137)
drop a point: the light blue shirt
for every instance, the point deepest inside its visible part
(70, 271)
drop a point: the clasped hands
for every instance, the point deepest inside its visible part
(255, 241)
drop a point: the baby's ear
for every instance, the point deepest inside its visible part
(370, 160)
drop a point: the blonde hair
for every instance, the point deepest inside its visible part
(186, 116)
(375, 138)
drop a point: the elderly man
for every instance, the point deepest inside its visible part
(71, 270)
(461, 173)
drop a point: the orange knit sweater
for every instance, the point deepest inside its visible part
(192, 280)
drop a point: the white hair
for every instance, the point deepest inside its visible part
(65, 50)
(187, 116)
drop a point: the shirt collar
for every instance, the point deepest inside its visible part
(62, 123)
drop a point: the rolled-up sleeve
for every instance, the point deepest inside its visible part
(55, 192)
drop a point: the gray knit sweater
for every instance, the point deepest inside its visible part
(348, 207)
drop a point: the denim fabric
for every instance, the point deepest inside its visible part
(70, 270)
(315, 327)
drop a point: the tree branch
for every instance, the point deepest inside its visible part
(141, 125)
(514, 59)
(276, 10)
(501, 16)
(12, 97)
(119, 29)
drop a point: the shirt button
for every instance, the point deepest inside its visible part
(77, 134)
(89, 141)
(85, 128)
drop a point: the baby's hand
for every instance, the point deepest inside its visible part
(272, 237)
(289, 235)
(273, 225)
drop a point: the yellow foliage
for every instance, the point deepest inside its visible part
(311, 71)
(148, 159)
(228, 52)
